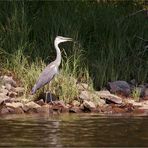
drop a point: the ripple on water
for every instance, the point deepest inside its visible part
(73, 130)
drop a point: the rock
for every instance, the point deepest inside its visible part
(85, 95)
(64, 110)
(144, 107)
(118, 110)
(14, 100)
(8, 80)
(101, 102)
(75, 103)
(119, 87)
(134, 103)
(55, 107)
(40, 102)
(12, 94)
(11, 110)
(109, 97)
(3, 87)
(133, 82)
(31, 107)
(60, 103)
(32, 104)
(82, 86)
(18, 110)
(145, 102)
(107, 109)
(139, 111)
(14, 105)
(8, 86)
(75, 109)
(128, 107)
(4, 111)
(19, 91)
(103, 92)
(3, 98)
(4, 91)
(89, 104)
(59, 106)
(44, 109)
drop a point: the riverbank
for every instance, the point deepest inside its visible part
(128, 100)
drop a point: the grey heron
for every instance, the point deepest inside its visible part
(52, 69)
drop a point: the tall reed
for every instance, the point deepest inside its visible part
(108, 36)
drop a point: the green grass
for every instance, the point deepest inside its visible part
(64, 85)
(107, 36)
(136, 94)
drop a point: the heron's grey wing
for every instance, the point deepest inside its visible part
(45, 77)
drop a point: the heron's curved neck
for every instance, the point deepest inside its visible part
(58, 57)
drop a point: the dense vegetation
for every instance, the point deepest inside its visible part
(107, 43)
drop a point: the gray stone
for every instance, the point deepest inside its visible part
(89, 104)
(4, 111)
(85, 95)
(12, 94)
(32, 105)
(75, 103)
(8, 80)
(8, 86)
(44, 109)
(135, 103)
(144, 107)
(75, 109)
(108, 96)
(19, 91)
(4, 91)
(3, 98)
(14, 105)
(101, 102)
(120, 87)
(40, 102)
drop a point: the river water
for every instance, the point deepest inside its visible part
(72, 130)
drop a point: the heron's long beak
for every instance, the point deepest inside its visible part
(68, 39)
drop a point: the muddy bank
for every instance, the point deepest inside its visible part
(117, 98)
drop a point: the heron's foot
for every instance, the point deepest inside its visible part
(48, 97)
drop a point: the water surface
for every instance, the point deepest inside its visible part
(71, 130)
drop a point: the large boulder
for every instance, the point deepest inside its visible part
(119, 87)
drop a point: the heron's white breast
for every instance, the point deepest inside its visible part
(54, 67)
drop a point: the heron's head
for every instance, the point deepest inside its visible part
(60, 39)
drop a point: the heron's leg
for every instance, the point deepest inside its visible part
(46, 97)
(51, 97)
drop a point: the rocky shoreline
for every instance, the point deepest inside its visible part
(116, 100)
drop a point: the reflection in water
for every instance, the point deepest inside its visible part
(73, 131)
